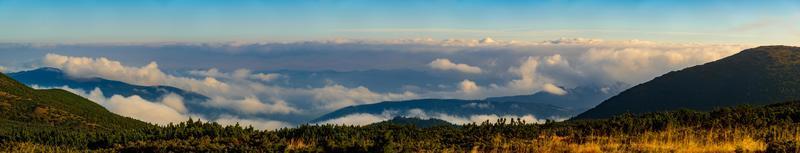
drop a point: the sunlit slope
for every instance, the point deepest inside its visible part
(22, 107)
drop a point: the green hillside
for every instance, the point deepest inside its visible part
(757, 76)
(25, 108)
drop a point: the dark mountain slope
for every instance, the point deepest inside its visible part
(757, 76)
(23, 107)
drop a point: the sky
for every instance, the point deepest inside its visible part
(92, 21)
(276, 64)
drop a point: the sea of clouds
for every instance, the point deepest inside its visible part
(236, 78)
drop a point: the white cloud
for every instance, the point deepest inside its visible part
(361, 119)
(150, 74)
(213, 72)
(252, 105)
(468, 86)
(446, 64)
(491, 118)
(266, 77)
(169, 110)
(90, 67)
(337, 96)
(135, 107)
(517, 67)
(527, 73)
(232, 90)
(641, 64)
(3, 69)
(553, 89)
(238, 74)
(175, 102)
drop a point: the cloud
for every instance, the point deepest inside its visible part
(337, 96)
(252, 105)
(528, 76)
(641, 64)
(361, 119)
(90, 67)
(446, 64)
(553, 89)
(507, 68)
(266, 77)
(3, 69)
(150, 74)
(491, 118)
(468, 86)
(169, 110)
(135, 107)
(240, 93)
(238, 74)
(175, 102)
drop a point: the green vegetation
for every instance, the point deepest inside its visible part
(22, 106)
(742, 128)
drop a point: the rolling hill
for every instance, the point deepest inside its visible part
(52, 77)
(22, 107)
(757, 76)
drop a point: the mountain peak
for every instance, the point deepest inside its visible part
(774, 54)
(756, 76)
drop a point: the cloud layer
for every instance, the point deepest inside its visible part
(362, 119)
(169, 110)
(248, 82)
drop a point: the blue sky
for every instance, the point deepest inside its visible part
(750, 22)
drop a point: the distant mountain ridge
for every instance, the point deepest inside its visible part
(756, 76)
(542, 105)
(580, 98)
(456, 107)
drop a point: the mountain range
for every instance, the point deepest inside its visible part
(757, 76)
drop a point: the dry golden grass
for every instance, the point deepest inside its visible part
(26, 147)
(672, 141)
